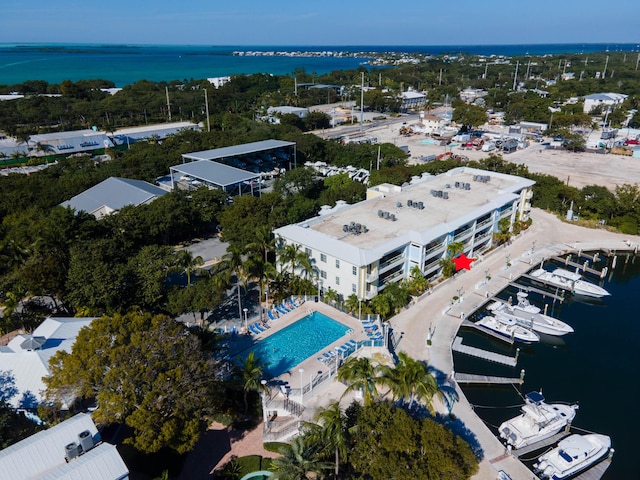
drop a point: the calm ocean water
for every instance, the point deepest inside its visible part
(595, 366)
(125, 64)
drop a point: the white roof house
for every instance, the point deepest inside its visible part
(71, 450)
(601, 99)
(26, 357)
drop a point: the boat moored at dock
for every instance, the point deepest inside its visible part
(568, 280)
(530, 316)
(508, 329)
(538, 421)
(572, 455)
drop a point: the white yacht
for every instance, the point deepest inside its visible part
(530, 316)
(539, 420)
(572, 455)
(508, 328)
(568, 280)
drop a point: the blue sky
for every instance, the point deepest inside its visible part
(326, 22)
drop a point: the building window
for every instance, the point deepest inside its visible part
(307, 251)
(323, 274)
(353, 288)
(337, 280)
(337, 263)
(354, 270)
(323, 258)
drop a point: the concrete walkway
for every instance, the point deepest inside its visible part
(435, 311)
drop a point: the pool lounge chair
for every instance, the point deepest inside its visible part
(352, 343)
(340, 349)
(280, 310)
(254, 330)
(271, 315)
(284, 306)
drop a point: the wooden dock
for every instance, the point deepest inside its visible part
(579, 266)
(596, 472)
(486, 379)
(484, 354)
(529, 288)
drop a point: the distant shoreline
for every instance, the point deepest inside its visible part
(128, 63)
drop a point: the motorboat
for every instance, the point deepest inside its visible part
(572, 455)
(538, 420)
(568, 280)
(530, 316)
(508, 328)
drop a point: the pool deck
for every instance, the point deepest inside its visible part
(311, 365)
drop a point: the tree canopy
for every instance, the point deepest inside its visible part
(145, 371)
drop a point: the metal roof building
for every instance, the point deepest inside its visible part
(71, 450)
(212, 174)
(113, 194)
(127, 136)
(256, 156)
(26, 357)
(65, 143)
(360, 248)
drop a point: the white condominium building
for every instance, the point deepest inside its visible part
(361, 248)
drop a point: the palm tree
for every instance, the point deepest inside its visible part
(264, 243)
(381, 304)
(233, 260)
(252, 370)
(330, 296)
(186, 262)
(409, 380)
(298, 461)
(361, 374)
(292, 254)
(352, 303)
(418, 281)
(333, 432)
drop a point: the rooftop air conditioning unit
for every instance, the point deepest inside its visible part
(409, 203)
(420, 205)
(467, 186)
(392, 217)
(85, 439)
(457, 184)
(71, 451)
(345, 228)
(380, 213)
(399, 204)
(445, 195)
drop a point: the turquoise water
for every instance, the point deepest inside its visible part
(292, 345)
(595, 366)
(125, 64)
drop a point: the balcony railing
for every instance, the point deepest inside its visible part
(462, 235)
(483, 223)
(390, 263)
(440, 246)
(391, 277)
(372, 277)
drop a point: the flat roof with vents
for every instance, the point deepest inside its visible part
(430, 207)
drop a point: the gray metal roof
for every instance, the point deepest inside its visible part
(162, 131)
(42, 455)
(215, 173)
(235, 150)
(70, 142)
(114, 193)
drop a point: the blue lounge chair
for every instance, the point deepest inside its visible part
(340, 349)
(271, 316)
(253, 329)
(281, 310)
(352, 343)
(283, 306)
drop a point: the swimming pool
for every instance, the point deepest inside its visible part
(292, 345)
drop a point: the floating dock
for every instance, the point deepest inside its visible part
(579, 266)
(471, 378)
(484, 354)
(541, 444)
(544, 293)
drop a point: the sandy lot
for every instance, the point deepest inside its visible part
(575, 169)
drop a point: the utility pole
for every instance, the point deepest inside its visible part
(166, 89)
(295, 86)
(515, 77)
(206, 104)
(486, 66)
(440, 79)
(362, 101)
(604, 74)
(528, 68)
(637, 61)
